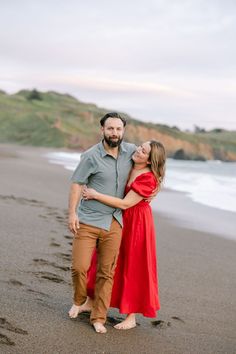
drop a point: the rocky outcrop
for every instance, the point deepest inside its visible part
(179, 148)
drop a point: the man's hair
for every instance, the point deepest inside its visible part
(112, 115)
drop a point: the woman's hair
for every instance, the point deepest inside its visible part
(157, 158)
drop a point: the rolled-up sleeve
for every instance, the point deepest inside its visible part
(85, 168)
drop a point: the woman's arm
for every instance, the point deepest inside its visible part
(130, 199)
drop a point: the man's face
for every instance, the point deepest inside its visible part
(113, 131)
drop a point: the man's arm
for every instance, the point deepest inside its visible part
(74, 199)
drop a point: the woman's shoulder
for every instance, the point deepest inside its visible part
(144, 184)
(146, 177)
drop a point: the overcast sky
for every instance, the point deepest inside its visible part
(165, 61)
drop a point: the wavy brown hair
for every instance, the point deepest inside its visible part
(157, 159)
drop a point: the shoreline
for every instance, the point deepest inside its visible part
(184, 212)
(196, 275)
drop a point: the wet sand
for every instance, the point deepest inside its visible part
(196, 275)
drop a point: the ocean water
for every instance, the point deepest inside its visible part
(211, 183)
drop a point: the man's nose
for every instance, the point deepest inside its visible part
(115, 131)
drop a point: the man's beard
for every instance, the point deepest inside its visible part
(113, 143)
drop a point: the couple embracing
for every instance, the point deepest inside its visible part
(120, 251)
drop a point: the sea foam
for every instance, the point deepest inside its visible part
(211, 183)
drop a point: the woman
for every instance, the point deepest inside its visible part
(135, 288)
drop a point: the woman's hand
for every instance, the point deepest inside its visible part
(89, 193)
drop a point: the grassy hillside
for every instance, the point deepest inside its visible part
(56, 120)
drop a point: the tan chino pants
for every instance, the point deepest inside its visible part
(108, 249)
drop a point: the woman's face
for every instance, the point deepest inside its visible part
(142, 153)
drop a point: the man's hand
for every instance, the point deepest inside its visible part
(73, 223)
(74, 198)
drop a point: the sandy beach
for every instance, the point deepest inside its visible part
(197, 275)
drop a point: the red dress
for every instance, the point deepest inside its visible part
(135, 288)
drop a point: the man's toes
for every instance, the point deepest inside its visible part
(73, 313)
(99, 328)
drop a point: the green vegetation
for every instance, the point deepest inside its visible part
(59, 120)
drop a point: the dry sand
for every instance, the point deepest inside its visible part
(196, 275)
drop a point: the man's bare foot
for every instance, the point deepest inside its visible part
(128, 323)
(99, 328)
(85, 307)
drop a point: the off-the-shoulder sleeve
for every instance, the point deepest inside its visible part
(144, 184)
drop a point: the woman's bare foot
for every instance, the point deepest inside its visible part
(85, 307)
(99, 328)
(128, 323)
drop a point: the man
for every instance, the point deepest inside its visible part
(104, 167)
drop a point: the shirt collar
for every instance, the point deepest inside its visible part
(122, 149)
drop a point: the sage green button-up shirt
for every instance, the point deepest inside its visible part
(99, 170)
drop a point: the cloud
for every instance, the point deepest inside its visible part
(175, 57)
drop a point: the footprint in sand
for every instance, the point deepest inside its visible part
(15, 282)
(21, 200)
(37, 292)
(43, 216)
(165, 324)
(9, 327)
(65, 256)
(5, 340)
(68, 237)
(41, 261)
(50, 276)
(55, 244)
(161, 324)
(178, 319)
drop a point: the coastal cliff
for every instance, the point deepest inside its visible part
(59, 120)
